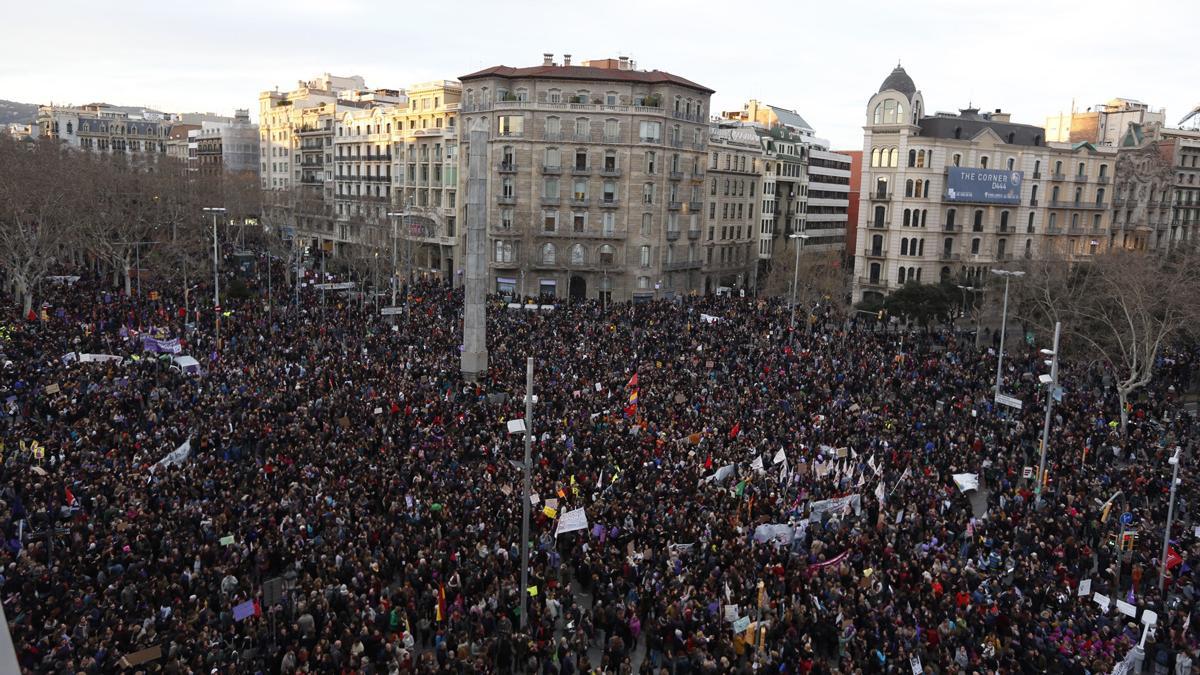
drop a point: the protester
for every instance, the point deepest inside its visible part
(347, 458)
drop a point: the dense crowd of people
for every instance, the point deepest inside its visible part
(767, 501)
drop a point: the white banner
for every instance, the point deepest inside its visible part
(779, 457)
(708, 318)
(99, 358)
(966, 481)
(570, 521)
(839, 506)
(176, 456)
(757, 465)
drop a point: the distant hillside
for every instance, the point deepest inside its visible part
(11, 111)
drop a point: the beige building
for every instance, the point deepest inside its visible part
(100, 127)
(595, 178)
(730, 237)
(1102, 124)
(1052, 199)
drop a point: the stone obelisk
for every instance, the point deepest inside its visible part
(474, 355)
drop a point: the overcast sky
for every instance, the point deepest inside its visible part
(823, 59)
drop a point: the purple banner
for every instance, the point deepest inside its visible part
(171, 346)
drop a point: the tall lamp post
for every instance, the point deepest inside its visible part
(394, 215)
(525, 426)
(796, 273)
(1162, 562)
(214, 210)
(1051, 382)
(1007, 274)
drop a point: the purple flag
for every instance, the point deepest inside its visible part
(243, 611)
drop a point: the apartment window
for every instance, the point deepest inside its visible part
(612, 130)
(610, 191)
(1104, 169)
(1058, 167)
(648, 193)
(1082, 169)
(555, 96)
(607, 254)
(610, 160)
(977, 225)
(1003, 221)
(506, 187)
(506, 219)
(550, 221)
(608, 222)
(647, 224)
(957, 159)
(650, 132)
(1037, 168)
(975, 246)
(552, 158)
(581, 192)
(548, 254)
(553, 127)
(578, 221)
(1011, 163)
(510, 125)
(582, 128)
(644, 257)
(551, 187)
(651, 162)
(581, 159)
(578, 255)
(504, 251)
(1029, 226)
(983, 162)
(712, 187)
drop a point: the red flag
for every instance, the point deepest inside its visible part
(257, 609)
(633, 381)
(441, 603)
(631, 410)
(708, 461)
(70, 497)
(32, 316)
(737, 429)
(1173, 558)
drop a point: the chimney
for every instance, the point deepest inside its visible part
(566, 59)
(547, 59)
(1001, 116)
(624, 63)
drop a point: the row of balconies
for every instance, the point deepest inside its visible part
(369, 179)
(610, 235)
(692, 233)
(370, 157)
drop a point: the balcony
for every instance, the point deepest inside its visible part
(881, 196)
(672, 235)
(612, 138)
(694, 233)
(677, 143)
(949, 256)
(876, 253)
(548, 200)
(610, 172)
(1102, 179)
(506, 199)
(507, 167)
(1037, 175)
(577, 200)
(952, 227)
(698, 146)
(1033, 202)
(1118, 201)
(650, 139)
(872, 281)
(679, 265)
(695, 207)
(581, 170)
(609, 202)
(551, 170)
(554, 136)
(674, 206)
(1081, 178)
(1057, 176)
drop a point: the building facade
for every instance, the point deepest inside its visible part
(854, 196)
(828, 199)
(1156, 203)
(1102, 124)
(914, 228)
(100, 127)
(595, 177)
(730, 235)
(226, 146)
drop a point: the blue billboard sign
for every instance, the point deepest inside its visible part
(984, 186)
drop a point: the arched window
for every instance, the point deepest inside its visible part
(947, 247)
(908, 188)
(874, 273)
(1037, 168)
(548, 254)
(945, 274)
(975, 246)
(1078, 194)
(1074, 221)
(925, 192)
(1054, 194)
(983, 162)
(1001, 248)
(957, 159)
(875, 157)
(924, 215)
(1003, 221)
(880, 215)
(904, 246)
(907, 217)
(950, 219)
(1053, 221)
(608, 254)
(918, 274)
(881, 187)
(1029, 227)
(878, 117)
(1100, 196)
(1012, 138)
(577, 254)
(912, 157)
(920, 247)
(1028, 248)
(920, 159)
(877, 244)
(920, 186)
(1012, 163)
(1033, 196)
(1058, 167)
(958, 132)
(977, 224)
(901, 276)
(895, 156)
(1082, 169)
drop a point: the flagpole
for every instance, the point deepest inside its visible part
(525, 505)
(1162, 563)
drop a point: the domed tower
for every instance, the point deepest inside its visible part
(892, 117)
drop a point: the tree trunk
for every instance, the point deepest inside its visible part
(1123, 396)
(128, 282)
(28, 302)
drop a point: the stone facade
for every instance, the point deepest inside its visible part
(595, 177)
(1156, 204)
(730, 238)
(909, 229)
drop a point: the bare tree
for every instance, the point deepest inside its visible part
(1120, 308)
(822, 278)
(34, 208)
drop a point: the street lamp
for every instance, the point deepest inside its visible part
(394, 215)
(1162, 563)
(1007, 274)
(515, 427)
(796, 274)
(214, 210)
(1051, 382)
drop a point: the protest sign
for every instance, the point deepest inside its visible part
(839, 506)
(966, 481)
(176, 456)
(741, 625)
(571, 521)
(150, 344)
(244, 611)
